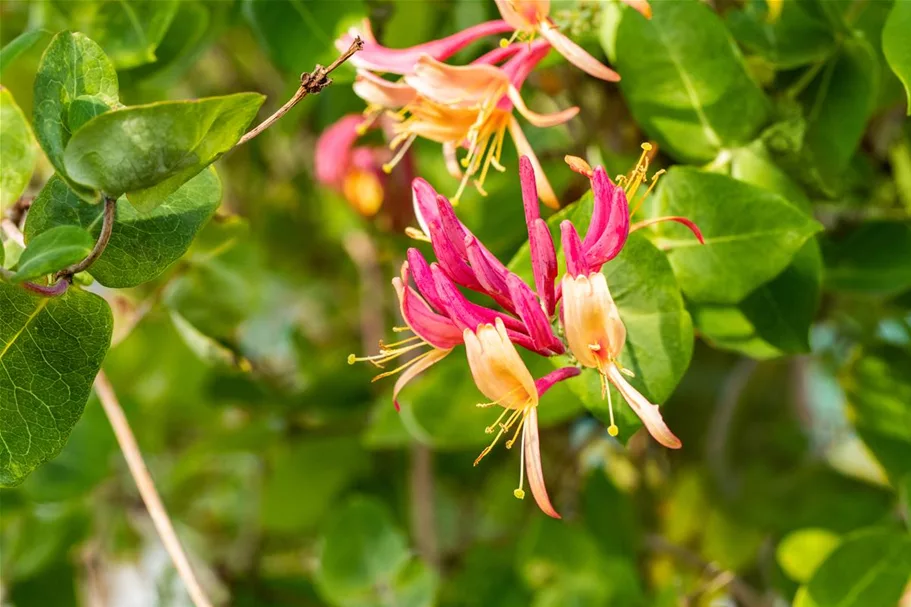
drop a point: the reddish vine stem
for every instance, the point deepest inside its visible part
(147, 491)
(311, 84)
(107, 227)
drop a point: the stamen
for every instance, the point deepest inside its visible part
(520, 492)
(489, 447)
(387, 168)
(416, 234)
(652, 184)
(637, 175)
(613, 430)
(512, 441)
(579, 165)
(405, 365)
(396, 344)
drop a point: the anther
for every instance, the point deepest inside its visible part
(352, 359)
(613, 430)
(519, 493)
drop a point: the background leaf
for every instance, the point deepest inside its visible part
(64, 338)
(18, 150)
(72, 66)
(142, 245)
(749, 238)
(53, 250)
(684, 79)
(895, 44)
(19, 45)
(149, 151)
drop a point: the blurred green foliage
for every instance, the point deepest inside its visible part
(291, 479)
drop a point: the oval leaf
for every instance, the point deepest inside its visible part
(751, 234)
(684, 79)
(50, 351)
(148, 151)
(142, 245)
(72, 66)
(53, 250)
(17, 148)
(896, 46)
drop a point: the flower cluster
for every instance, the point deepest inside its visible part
(441, 318)
(472, 106)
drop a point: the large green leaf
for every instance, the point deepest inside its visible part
(72, 66)
(684, 79)
(896, 46)
(366, 560)
(837, 105)
(795, 38)
(53, 250)
(775, 318)
(858, 262)
(129, 32)
(50, 351)
(149, 151)
(142, 245)
(17, 148)
(751, 234)
(870, 568)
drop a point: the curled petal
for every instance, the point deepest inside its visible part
(381, 92)
(424, 198)
(451, 260)
(523, 14)
(333, 150)
(604, 195)
(536, 321)
(491, 276)
(498, 55)
(576, 262)
(683, 220)
(608, 243)
(402, 60)
(462, 85)
(437, 330)
(519, 67)
(423, 279)
(531, 446)
(545, 191)
(547, 382)
(577, 55)
(540, 120)
(646, 411)
(454, 229)
(429, 359)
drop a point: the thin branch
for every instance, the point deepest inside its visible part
(147, 490)
(311, 84)
(107, 226)
(720, 577)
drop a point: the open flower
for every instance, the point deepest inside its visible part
(531, 17)
(502, 376)
(472, 107)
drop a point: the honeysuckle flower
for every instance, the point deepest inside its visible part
(502, 376)
(531, 17)
(378, 58)
(472, 107)
(356, 172)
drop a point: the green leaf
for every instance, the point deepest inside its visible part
(837, 105)
(72, 66)
(142, 245)
(83, 109)
(794, 39)
(802, 551)
(129, 32)
(859, 263)
(868, 569)
(17, 148)
(750, 234)
(50, 351)
(19, 45)
(363, 552)
(684, 79)
(896, 46)
(149, 151)
(53, 250)
(775, 318)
